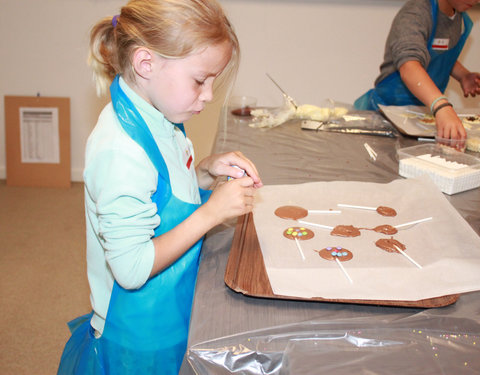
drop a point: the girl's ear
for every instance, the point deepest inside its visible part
(142, 62)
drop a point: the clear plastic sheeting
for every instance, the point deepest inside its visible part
(417, 344)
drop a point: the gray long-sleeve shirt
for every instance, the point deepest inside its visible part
(410, 33)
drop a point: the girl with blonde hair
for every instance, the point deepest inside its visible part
(147, 205)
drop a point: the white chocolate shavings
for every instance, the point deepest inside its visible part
(312, 112)
(473, 144)
(264, 118)
(438, 160)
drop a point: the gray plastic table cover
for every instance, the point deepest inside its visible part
(231, 333)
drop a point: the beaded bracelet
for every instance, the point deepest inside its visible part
(448, 104)
(435, 102)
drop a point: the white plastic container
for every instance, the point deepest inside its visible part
(452, 171)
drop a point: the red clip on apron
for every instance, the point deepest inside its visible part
(392, 91)
(146, 329)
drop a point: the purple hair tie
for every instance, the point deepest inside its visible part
(115, 20)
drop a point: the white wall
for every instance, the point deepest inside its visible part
(315, 49)
(320, 49)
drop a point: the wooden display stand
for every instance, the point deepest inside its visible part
(22, 170)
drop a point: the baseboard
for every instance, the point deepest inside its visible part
(77, 174)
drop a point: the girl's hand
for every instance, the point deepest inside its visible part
(449, 125)
(231, 199)
(226, 165)
(470, 83)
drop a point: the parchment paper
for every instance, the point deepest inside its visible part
(446, 247)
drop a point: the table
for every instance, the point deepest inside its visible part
(230, 331)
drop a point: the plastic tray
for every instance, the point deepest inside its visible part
(451, 171)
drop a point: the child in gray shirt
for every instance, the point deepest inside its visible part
(421, 54)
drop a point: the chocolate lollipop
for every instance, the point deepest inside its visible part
(393, 246)
(291, 212)
(382, 210)
(385, 229)
(297, 212)
(330, 253)
(338, 254)
(386, 211)
(339, 230)
(389, 244)
(299, 233)
(345, 231)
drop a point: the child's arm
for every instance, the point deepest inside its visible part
(223, 165)
(228, 200)
(469, 81)
(421, 85)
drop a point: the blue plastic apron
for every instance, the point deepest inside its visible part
(146, 329)
(392, 91)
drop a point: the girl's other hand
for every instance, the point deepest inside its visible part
(232, 164)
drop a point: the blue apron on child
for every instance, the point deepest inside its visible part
(145, 329)
(392, 91)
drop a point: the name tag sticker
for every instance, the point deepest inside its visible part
(440, 44)
(189, 159)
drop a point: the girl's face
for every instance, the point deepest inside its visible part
(180, 88)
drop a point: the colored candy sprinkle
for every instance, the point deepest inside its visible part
(336, 251)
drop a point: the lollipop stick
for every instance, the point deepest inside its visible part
(407, 256)
(343, 270)
(370, 151)
(316, 225)
(324, 211)
(360, 207)
(413, 222)
(299, 248)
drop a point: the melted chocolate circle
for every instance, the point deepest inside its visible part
(388, 244)
(291, 212)
(385, 229)
(332, 253)
(300, 233)
(386, 211)
(345, 231)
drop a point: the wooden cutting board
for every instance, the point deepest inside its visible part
(246, 273)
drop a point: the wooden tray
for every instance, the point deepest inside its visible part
(246, 273)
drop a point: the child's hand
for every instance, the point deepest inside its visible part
(231, 199)
(470, 84)
(232, 164)
(449, 125)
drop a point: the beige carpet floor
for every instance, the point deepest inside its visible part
(43, 282)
